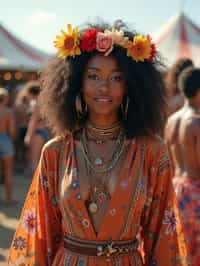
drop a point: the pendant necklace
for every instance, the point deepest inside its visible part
(93, 208)
(97, 167)
(98, 161)
(98, 192)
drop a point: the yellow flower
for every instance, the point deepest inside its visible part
(118, 37)
(140, 48)
(68, 43)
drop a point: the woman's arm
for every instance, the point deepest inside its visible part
(164, 242)
(38, 234)
(32, 125)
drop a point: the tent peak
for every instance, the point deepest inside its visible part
(179, 37)
(17, 54)
(180, 16)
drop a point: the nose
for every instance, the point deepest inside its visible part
(103, 85)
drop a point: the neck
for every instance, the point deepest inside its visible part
(103, 122)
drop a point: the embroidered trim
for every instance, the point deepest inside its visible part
(137, 259)
(163, 163)
(134, 194)
(67, 260)
(117, 261)
(61, 173)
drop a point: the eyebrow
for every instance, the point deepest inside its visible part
(98, 69)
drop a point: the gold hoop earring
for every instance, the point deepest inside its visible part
(124, 108)
(81, 107)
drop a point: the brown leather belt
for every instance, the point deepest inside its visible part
(100, 248)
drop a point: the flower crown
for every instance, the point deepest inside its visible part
(71, 43)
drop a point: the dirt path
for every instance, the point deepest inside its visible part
(9, 216)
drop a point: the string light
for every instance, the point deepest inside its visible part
(7, 76)
(18, 75)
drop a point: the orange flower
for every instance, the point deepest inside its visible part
(140, 48)
(68, 43)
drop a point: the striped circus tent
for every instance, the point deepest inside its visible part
(18, 55)
(178, 38)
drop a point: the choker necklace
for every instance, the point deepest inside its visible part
(101, 139)
(100, 134)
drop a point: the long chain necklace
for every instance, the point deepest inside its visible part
(97, 165)
(99, 191)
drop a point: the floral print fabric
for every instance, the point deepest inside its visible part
(143, 205)
(188, 194)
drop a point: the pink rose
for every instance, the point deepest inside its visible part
(104, 43)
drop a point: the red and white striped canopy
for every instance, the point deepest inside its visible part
(17, 55)
(178, 38)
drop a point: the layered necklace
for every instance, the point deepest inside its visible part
(100, 135)
(99, 168)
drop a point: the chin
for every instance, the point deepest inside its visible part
(103, 111)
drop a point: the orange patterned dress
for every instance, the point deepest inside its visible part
(143, 205)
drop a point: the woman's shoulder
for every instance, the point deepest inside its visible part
(155, 144)
(56, 143)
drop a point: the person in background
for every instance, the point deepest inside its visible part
(105, 181)
(21, 110)
(31, 91)
(37, 133)
(182, 132)
(7, 135)
(175, 98)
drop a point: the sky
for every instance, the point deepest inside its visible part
(37, 22)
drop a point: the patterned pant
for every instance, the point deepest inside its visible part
(188, 194)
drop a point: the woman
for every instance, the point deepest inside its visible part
(7, 135)
(37, 133)
(36, 136)
(102, 193)
(22, 118)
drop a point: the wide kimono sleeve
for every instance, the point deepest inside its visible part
(38, 234)
(163, 239)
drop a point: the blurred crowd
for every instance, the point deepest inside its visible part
(22, 135)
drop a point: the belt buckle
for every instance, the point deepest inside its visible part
(106, 250)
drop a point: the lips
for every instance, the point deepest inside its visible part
(103, 99)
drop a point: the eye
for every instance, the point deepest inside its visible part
(93, 76)
(117, 78)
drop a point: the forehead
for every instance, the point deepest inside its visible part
(102, 62)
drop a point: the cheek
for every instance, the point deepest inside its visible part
(119, 95)
(87, 93)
